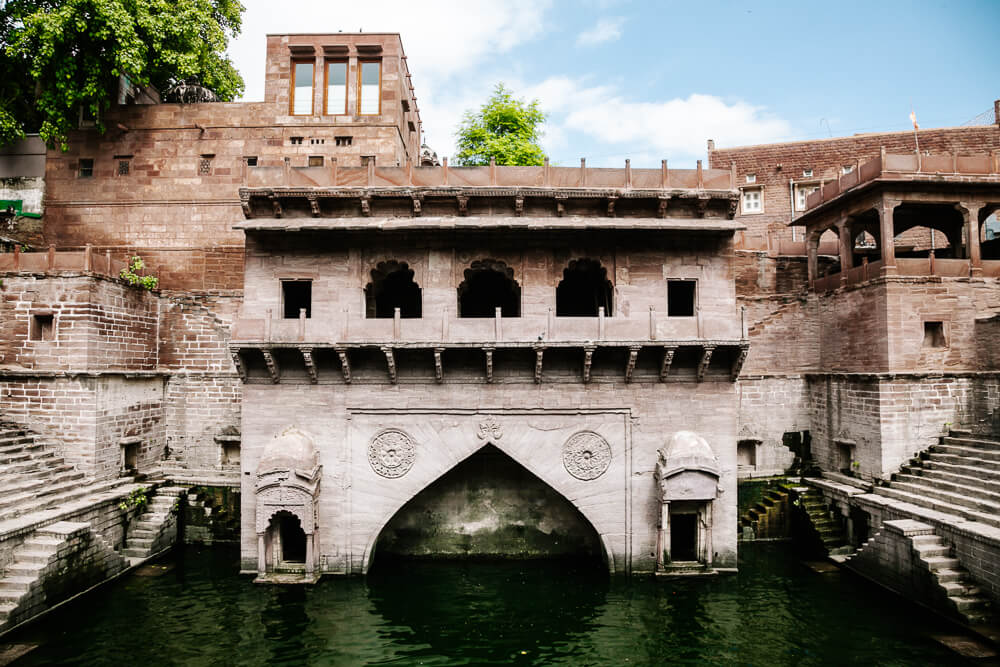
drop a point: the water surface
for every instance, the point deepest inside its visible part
(774, 612)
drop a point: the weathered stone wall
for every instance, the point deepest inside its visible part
(770, 407)
(535, 421)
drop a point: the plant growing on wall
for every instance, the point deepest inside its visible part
(505, 128)
(136, 499)
(131, 274)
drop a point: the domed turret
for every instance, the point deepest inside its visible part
(687, 450)
(428, 158)
(291, 450)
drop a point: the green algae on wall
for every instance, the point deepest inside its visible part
(488, 506)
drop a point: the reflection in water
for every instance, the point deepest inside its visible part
(775, 612)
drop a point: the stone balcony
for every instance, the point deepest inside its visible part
(648, 348)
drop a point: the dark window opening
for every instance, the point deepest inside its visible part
(683, 537)
(205, 165)
(367, 159)
(123, 167)
(230, 453)
(934, 334)
(584, 289)
(343, 141)
(86, 168)
(392, 287)
(251, 160)
(489, 285)
(315, 160)
(296, 295)
(42, 327)
(845, 458)
(293, 538)
(295, 141)
(680, 298)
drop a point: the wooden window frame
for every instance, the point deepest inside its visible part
(361, 66)
(291, 87)
(347, 75)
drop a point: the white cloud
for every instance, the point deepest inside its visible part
(673, 128)
(607, 29)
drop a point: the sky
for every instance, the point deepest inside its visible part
(654, 80)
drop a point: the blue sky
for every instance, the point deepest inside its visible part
(654, 80)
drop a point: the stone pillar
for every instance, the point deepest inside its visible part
(310, 566)
(888, 235)
(846, 249)
(663, 534)
(709, 555)
(812, 250)
(970, 210)
(261, 555)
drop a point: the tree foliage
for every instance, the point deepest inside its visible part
(505, 128)
(60, 56)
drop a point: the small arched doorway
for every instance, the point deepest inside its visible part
(287, 541)
(489, 284)
(584, 290)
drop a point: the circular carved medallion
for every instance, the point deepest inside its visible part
(586, 455)
(391, 453)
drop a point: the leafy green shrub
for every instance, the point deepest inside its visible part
(131, 275)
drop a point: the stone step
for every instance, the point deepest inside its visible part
(949, 575)
(8, 442)
(971, 452)
(14, 583)
(967, 604)
(68, 493)
(5, 609)
(135, 553)
(949, 486)
(141, 533)
(969, 498)
(10, 597)
(39, 465)
(935, 563)
(21, 568)
(989, 467)
(929, 549)
(960, 588)
(983, 480)
(41, 556)
(973, 443)
(31, 483)
(141, 542)
(171, 491)
(921, 500)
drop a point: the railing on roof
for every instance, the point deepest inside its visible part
(52, 260)
(890, 165)
(908, 266)
(546, 176)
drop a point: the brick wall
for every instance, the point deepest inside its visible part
(770, 407)
(199, 408)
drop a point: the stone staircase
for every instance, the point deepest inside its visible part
(826, 528)
(52, 565)
(155, 529)
(909, 558)
(959, 476)
(35, 477)
(769, 518)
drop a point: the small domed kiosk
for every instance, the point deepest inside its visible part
(287, 490)
(687, 476)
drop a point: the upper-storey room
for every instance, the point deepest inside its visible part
(347, 78)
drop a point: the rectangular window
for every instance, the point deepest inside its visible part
(296, 295)
(807, 173)
(295, 141)
(130, 456)
(802, 193)
(86, 168)
(680, 298)
(752, 201)
(343, 141)
(123, 167)
(42, 327)
(367, 159)
(251, 160)
(302, 88)
(315, 160)
(336, 89)
(205, 165)
(369, 88)
(751, 178)
(847, 168)
(934, 334)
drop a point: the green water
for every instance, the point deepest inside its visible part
(774, 612)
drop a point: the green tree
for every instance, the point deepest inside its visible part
(505, 128)
(60, 56)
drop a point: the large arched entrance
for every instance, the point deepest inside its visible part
(488, 507)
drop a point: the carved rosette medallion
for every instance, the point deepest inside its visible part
(391, 453)
(586, 455)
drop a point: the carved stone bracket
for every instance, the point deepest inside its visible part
(741, 357)
(245, 204)
(418, 203)
(366, 206)
(539, 351)
(701, 205)
(272, 365)
(489, 364)
(661, 208)
(734, 205)
(633, 353)
(668, 359)
(438, 368)
(560, 205)
(240, 366)
(276, 206)
(611, 205)
(706, 359)
(588, 360)
(390, 361)
(314, 205)
(519, 206)
(307, 357)
(345, 364)
(463, 205)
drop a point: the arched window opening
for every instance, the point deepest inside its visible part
(392, 287)
(488, 285)
(584, 289)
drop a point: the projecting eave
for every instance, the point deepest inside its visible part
(569, 223)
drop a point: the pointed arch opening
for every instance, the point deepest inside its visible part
(584, 289)
(488, 507)
(392, 286)
(489, 284)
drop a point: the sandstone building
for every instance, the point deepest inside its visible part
(386, 354)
